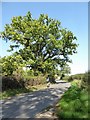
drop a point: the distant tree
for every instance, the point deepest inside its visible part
(46, 44)
(65, 70)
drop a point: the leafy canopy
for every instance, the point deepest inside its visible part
(46, 44)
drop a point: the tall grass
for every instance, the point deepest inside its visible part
(74, 104)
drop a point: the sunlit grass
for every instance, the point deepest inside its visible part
(74, 104)
(40, 87)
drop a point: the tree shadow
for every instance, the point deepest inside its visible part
(29, 104)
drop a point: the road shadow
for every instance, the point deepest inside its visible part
(29, 104)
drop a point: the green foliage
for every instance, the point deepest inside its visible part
(77, 76)
(20, 79)
(74, 104)
(76, 83)
(65, 70)
(34, 80)
(19, 73)
(66, 77)
(46, 44)
(29, 73)
(85, 80)
(10, 64)
(10, 92)
(70, 79)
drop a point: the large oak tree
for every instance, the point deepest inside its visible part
(46, 44)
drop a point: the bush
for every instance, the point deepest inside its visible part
(77, 76)
(66, 78)
(19, 74)
(9, 82)
(85, 79)
(34, 80)
(29, 72)
(70, 79)
(21, 81)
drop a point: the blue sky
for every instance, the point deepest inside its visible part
(73, 16)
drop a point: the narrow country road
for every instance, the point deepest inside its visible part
(29, 104)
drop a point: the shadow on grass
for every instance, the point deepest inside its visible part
(14, 92)
(12, 87)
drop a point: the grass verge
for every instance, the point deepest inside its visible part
(74, 104)
(14, 92)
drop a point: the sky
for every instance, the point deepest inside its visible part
(72, 15)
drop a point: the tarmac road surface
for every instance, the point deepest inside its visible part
(29, 104)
